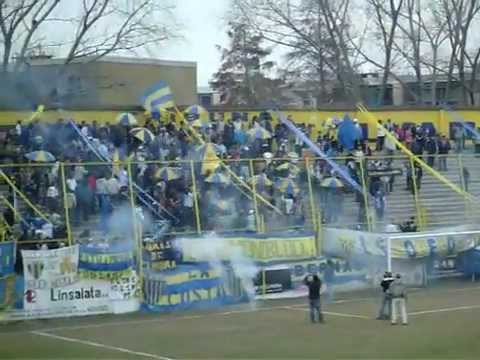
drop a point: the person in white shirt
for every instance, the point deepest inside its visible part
(52, 196)
(187, 203)
(103, 151)
(288, 201)
(188, 199)
(54, 172)
(80, 172)
(84, 129)
(71, 184)
(123, 178)
(380, 135)
(18, 128)
(390, 145)
(113, 188)
(251, 226)
(392, 228)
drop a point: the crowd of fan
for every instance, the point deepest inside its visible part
(100, 189)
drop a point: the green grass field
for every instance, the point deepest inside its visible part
(444, 324)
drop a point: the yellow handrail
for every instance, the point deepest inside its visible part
(365, 197)
(419, 161)
(24, 198)
(138, 239)
(415, 195)
(11, 207)
(310, 192)
(65, 205)
(195, 199)
(230, 172)
(255, 204)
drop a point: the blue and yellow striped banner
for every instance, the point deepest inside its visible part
(191, 286)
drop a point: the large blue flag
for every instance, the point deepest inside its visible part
(348, 133)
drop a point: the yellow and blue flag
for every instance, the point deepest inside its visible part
(158, 97)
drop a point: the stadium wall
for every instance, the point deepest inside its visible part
(440, 119)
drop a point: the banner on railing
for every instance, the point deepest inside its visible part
(98, 263)
(258, 248)
(350, 243)
(50, 269)
(7, 274)
(334, 270)
(191, 286)
(54, 286)
(159, 255)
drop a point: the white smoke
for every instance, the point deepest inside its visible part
(121, 227)
(214, 249)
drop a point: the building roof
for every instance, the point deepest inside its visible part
(44, 61)
(205, 90)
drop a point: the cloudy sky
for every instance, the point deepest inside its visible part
(203, 27)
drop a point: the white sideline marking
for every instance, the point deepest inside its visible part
(163, 320)
(346, 315)
(191, 317)
(95, 344)
(332, 313)
(434, 311)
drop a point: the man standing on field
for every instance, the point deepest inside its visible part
(386, 306)
(314, 286)
(398, 292)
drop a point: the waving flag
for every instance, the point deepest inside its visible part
(158, 97)
(208, 155)
(348, 133)
(168, 174)
(218, 178)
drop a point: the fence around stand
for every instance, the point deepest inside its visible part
(193, 198)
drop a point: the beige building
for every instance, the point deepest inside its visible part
(109, 82)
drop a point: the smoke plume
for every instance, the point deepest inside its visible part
(215, 250)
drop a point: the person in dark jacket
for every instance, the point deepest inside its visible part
(418, 176)
(314, 286)
(466, 178)
(443, 150)
(386, 306)
(431, 148)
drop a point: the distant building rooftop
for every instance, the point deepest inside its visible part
(43, 61)
(204, 90)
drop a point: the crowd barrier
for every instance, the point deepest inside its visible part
(303, 190)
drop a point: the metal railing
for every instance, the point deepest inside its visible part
(305, 191)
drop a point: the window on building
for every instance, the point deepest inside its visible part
(307, 102)
(206, 100)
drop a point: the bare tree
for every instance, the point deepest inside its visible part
(314, 34)
(425, 32)
(460, 16)
(41, 14)
(336, 15)
(108, 26)
(387, 14)
(425, 39)
(19, 20)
